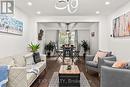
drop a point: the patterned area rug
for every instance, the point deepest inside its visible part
(55, 80)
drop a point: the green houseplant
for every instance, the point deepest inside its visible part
(49, 48)
(34, 48)
(85, 46)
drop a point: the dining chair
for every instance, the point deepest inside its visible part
(68, 52)
(77, 51)
(58, 53)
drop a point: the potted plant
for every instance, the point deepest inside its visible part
(85, 46)
(34, 48)
(49, 48)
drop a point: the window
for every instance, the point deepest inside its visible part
(66, 38)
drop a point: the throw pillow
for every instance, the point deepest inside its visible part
(120, 64)
(36, 57)
(7, 61)
(99, 54)
(19, 60)
(108, 53)
(29, 59)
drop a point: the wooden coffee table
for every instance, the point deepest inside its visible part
(69, 78)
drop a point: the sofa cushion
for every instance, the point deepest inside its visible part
(31, 77)
(92, 63)
(41, 66)
(7, 61)
(19, 60)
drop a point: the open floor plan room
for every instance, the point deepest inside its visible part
(64, 43)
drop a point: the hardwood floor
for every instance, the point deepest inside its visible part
(54, 66)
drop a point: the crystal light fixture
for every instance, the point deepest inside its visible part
(70, 5)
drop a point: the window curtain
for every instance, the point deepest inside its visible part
(57, 39)
(76, 39)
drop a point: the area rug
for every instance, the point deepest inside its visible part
(55, 80)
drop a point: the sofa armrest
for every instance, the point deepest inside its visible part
(43, 57)
(17, 77)
(106, 61)
(110, 58)
(89, 57)
(113, 77)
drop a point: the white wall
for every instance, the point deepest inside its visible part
(119, 46)
(83, 35)
(14, 44)
(94, 39)
(42, 42)
(50, 35)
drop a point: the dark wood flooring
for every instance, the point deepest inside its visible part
(54, 66)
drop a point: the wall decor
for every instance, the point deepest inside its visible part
(121, 26)
(40, 34)
(92, 34)
(10, 25)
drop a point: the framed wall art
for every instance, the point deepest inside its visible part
(10, 25)
(121, 26)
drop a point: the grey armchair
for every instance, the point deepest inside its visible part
(113, 77)
(96, 66)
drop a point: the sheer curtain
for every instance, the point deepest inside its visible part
(76, 39)
(57, 39)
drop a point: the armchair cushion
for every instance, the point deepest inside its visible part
(92, 63)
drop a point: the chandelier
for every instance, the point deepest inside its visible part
(70, 5)
(67, 26)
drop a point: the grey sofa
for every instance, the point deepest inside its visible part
(96, 66)
(113, 77)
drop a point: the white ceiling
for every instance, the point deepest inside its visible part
(62, 26)
(86, 7)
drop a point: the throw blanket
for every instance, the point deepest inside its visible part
(4, 71)
(32, 69)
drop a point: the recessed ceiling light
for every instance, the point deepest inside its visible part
(97, 12)
(30, 3)
(107, 3)
(38, 12)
